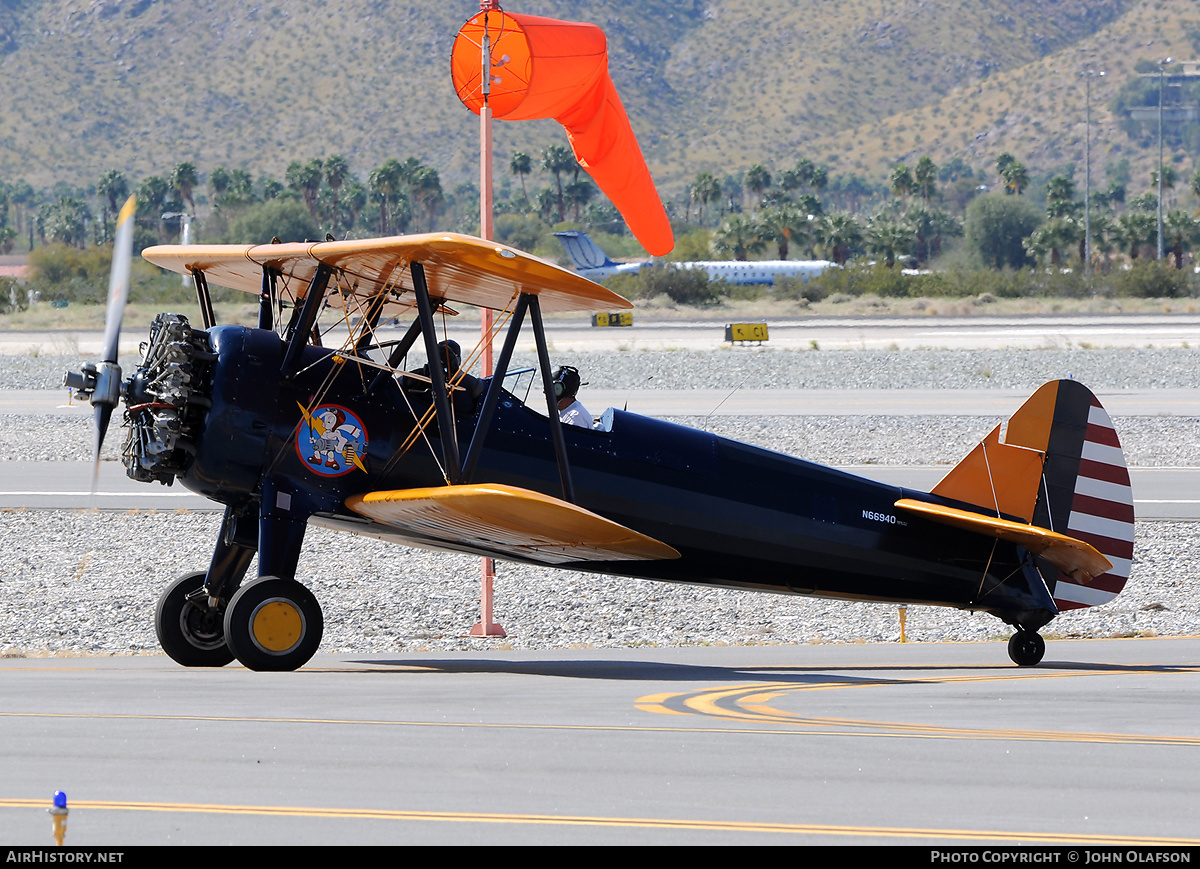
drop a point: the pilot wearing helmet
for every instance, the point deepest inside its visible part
(570, 410)
(465, 393)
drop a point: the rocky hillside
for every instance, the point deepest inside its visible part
(140, 85)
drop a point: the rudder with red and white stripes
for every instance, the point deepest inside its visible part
(1085, 490)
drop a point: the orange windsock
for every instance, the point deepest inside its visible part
(543, 68)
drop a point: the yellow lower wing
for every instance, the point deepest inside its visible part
(503, 518)
(1079, 560)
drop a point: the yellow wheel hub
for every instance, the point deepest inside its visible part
(277, 626)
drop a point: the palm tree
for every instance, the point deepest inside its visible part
(1052, 236)
(152, 196)
(758, 179)
(1016, 178)
(112, 189)
(306, 180)
(887, 237)
(336, 172)
(1134, 229)
(705, 190)
(782, 223)
(1060, 197)
(838, 234)
(902, 182)
(579, 193)
(384, 182)
(183, 180)
(557, 159)
(218, 184)
(930, 226)
(1102, 238)
(66, 221)
(521, 165)
(738, 236)
(1183, 230)
(426, 188)
(925, 178)
(352, 202)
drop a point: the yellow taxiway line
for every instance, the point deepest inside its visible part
(835, 830)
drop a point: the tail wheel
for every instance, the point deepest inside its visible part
(189, 629)
(1026, 648)
(273, 624)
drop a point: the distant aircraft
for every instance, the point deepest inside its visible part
(593, 263)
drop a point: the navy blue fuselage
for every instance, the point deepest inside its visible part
(740, 516)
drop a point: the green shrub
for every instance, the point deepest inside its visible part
(996, 226)
(285, 219)
(682, 286)
(1153, 280)
(787, 287)
(522, 231)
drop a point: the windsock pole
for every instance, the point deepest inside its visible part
(485, 627)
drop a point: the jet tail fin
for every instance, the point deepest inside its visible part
(1058, 467)
(584, 252)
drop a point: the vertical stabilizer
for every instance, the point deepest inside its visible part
(584, 252)
(1060, 467)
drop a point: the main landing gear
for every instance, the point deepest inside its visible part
(268, 624)
(190, 628)
(1026, 648)
(273, 624)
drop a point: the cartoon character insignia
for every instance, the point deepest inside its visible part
(331, 440)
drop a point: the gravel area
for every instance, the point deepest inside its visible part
(87, 583)
(768, 367)
(1148, 441)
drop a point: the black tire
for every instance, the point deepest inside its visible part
(273, 624)
(189, 631)
(1026, 648)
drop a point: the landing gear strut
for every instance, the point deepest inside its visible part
(189, 628)
(1026, 648)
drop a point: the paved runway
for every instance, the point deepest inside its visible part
(652, 330)
(824, 744)
(879, 744)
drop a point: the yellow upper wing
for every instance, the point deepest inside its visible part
(458, 268)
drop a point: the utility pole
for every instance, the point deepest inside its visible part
(486, 627)
(1162, 70)
(1087, 173)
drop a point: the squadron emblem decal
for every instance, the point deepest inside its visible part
(332, 440)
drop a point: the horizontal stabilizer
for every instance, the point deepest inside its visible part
(500, 518)
(1081, 561)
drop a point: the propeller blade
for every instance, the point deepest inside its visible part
(118, 284)
(106, 382)
(101, 413)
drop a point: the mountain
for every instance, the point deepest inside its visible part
(140, 85)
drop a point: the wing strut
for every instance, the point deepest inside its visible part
(437, 377)
(398, 353)
(495, 387)
(204, 298)
(266, 299)
(301, 328)
(560, 442)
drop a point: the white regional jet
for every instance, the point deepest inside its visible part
(593, 263)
